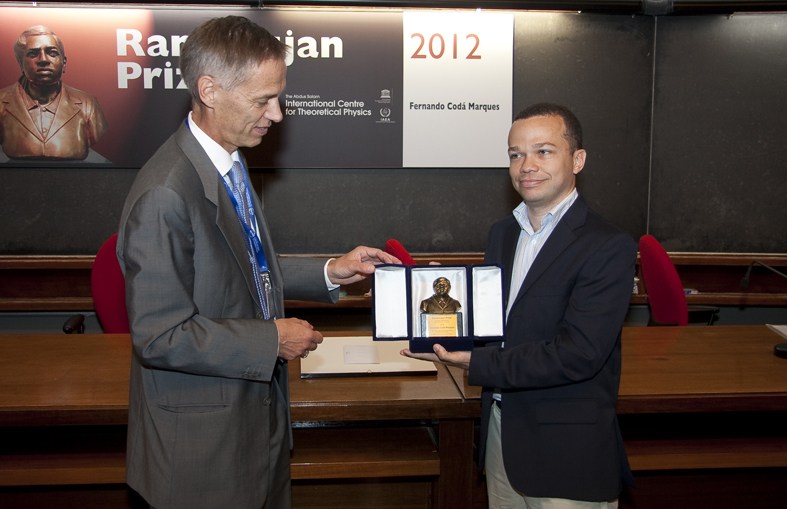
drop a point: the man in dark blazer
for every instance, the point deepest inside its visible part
(549, 434)
(209, 403)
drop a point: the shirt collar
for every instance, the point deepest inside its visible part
(552, 217)
(31, 104)
(220, 158)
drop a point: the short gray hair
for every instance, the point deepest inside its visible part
(228, 49)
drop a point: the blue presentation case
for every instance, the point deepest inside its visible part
(398, 290)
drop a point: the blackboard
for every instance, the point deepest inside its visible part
(684, 125)
(719, 179)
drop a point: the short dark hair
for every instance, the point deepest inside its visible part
(573, 133)
(228, 49)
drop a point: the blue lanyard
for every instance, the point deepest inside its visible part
(251, 233)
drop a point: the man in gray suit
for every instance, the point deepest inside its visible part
(208, 410)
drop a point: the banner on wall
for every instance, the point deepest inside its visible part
(458, 92)
(344, 103)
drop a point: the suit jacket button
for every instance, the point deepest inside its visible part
(266, 401)
(259, 315)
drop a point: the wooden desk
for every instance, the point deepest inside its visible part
(64, 407)
(691, 399)
(703, 411)
(419, 400)
(694, 369)
(63, 379)
(702, 369)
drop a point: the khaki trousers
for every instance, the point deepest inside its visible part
(500, 492)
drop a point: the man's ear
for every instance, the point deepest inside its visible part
(207, 88)
(579, 160)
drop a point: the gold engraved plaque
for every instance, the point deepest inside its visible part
(447, 325)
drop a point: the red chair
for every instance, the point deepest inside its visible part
(666, 296)
(395, 248)
(108, 288)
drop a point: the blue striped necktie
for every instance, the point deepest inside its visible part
(245, 214)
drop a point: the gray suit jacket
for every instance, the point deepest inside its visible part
(208, 407)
